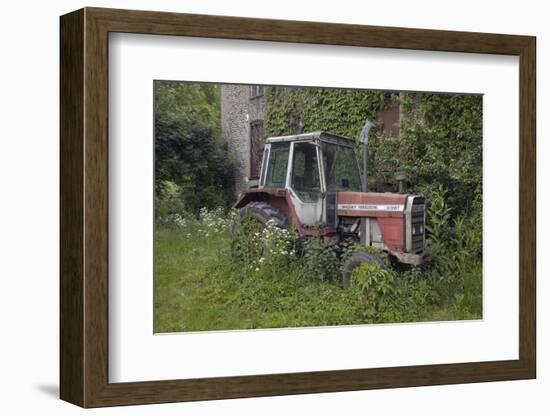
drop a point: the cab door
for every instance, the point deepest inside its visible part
(305, 184)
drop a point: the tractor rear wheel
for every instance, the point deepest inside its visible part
(254, 217)
(355, 261)
(263, 213)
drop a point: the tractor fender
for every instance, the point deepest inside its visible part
(268, 195)
(279, 199)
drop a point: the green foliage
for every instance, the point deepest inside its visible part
(274, 251)
(262, 248)
(272, 278)
(340, 111)
(168, 199)
(437, 222)
(323, 263)
(373, 281)
(440, 145)
(191, 164)
(388, 296)
(373, 250)
(456, 269)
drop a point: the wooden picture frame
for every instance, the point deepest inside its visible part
(84, 207)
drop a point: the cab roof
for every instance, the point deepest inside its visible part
(315, 135)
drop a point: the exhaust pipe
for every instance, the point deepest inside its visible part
(364, 139)
(401, 179)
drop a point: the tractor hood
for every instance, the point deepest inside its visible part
(371, 204)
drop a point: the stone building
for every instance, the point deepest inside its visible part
(243, 109)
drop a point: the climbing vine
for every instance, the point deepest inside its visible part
(340, 111)
(439, 145)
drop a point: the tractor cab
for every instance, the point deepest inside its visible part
(310, 166)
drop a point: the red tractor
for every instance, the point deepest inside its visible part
(313, 182)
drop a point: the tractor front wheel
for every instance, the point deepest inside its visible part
(355, 261)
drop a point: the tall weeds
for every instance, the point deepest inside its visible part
(268, 277)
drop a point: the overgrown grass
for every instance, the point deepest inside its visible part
(204, 280)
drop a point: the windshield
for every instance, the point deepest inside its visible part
(341, 169)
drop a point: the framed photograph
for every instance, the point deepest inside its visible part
(255, 207)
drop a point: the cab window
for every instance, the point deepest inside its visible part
(341, 168)
(277, 165)
(305, 172)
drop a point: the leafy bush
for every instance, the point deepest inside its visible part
(440, 145)
(323, 263)
(456, 269)
(192, 167)
(264, 249)
(375, 282)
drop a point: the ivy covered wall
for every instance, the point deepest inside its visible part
(439, 145)
(297, 110)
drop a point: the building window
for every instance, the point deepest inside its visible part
(256, 133)
(256, 91)
(389, 118)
